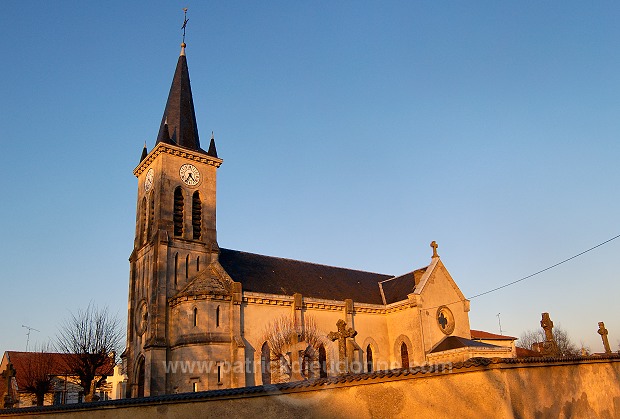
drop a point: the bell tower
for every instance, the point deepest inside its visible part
(175, 232)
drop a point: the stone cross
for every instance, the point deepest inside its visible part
(434, 245)
(341, 335)
(550, 347)
(8, 374)
(603, 332)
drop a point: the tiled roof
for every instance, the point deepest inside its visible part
(25, 361)
(396, 289)
(456, 342)
(272, 275)
(480, 334)
(526, 353)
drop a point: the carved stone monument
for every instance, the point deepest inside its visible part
(8, 374)
(550, 346)
(341, 336)
(603, 332)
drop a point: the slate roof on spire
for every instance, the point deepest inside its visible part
(144, 153)
(212, 150)
(178, 125)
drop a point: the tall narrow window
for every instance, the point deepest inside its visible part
(176, 269)
(217, 316)
(404, 355)
(194, 387)
(142, 224)
(219, 374)
(178, 212)
(322, 362)
(186, 266)
(265, 363)
(195, 320)
(149, 229)
(196, 215)
(198, 264)
(368, 359)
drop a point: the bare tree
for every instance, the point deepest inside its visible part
(36, 372)
(566, 347)
(92, 338)
(283, 335)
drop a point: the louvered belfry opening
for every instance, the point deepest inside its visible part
(178, 212)
(142, 225)
(151, 217)
(196, 215)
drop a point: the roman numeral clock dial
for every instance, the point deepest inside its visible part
(189, 174)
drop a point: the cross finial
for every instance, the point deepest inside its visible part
(434, 246)
(185, 20)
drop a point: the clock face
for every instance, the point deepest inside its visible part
(189, 174)
(148, 182)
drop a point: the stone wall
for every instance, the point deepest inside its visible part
(481, 388)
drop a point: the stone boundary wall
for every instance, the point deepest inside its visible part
(587, 387)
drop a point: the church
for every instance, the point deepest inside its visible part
(201, 317)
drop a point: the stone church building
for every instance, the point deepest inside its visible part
(201, 317)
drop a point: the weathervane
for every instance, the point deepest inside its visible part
(185, 20)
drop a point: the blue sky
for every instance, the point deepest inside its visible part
(353, 134)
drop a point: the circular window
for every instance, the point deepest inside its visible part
(445, 320)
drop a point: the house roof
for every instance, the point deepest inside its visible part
(526, 353)
(456, 342)
(273, 275)
(52, 363)
(480, 334)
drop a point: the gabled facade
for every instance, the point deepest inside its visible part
(202, 318)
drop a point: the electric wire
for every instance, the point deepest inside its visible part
(534, 274)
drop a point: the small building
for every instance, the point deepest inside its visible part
(64, 385)
(493, 339)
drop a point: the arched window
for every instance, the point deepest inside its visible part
(217, 316)
(265, 363)
(142, 224)
(198, 264)
(176, 269)
(178, 212)
(195, 319)
(149, 229)
(140, 377)
(322, 362)
(144, 276)
(368, 358)
(186, 266)
(196, 215)
(404, 355)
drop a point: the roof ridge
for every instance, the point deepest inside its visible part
(309, 263)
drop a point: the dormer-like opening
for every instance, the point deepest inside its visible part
(196, 216)
(178, 212)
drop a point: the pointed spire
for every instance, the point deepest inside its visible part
(144, 153)
(179, 120)
(212, 151)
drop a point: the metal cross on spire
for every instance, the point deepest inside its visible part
(185, 20)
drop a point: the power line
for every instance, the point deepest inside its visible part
(535, 273)
(546, 269)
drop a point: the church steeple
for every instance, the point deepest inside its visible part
(178, 124)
